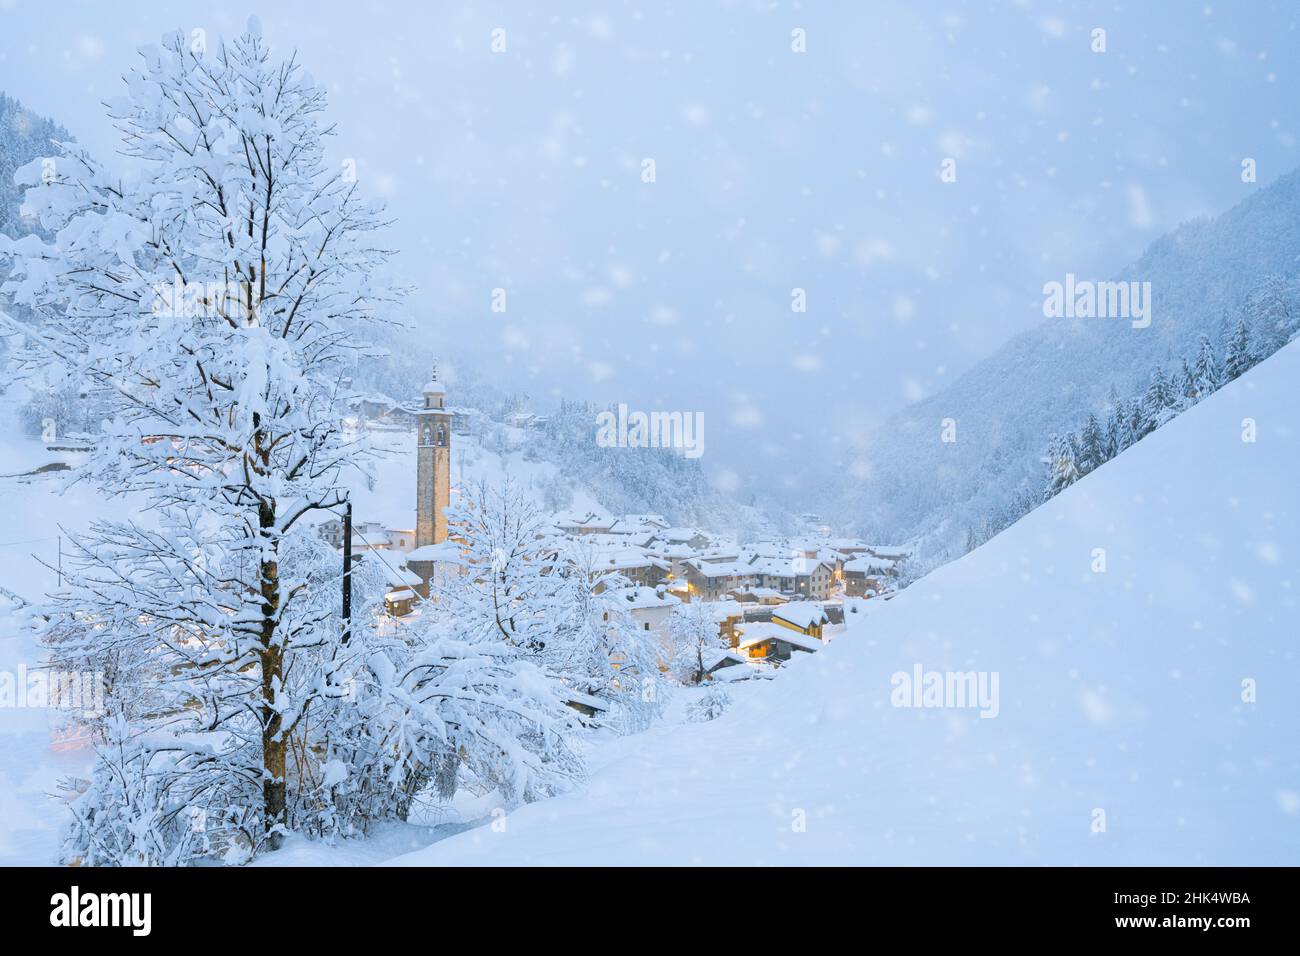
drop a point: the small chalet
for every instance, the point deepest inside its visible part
(774, 642)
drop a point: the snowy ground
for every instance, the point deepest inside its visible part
(32, 758)
(1119, 692)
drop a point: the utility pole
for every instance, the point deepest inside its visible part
(347, 572)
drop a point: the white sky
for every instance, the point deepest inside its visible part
(774, 171)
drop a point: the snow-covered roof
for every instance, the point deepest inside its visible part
(725, 609)
(869, 564)
(617, 559)
(587, 700)
(801, 613)
(638, 598)
(717, 569)
(650, 519)
(713, 656)
(446, 551)
(752, 634)
(677, 535)
(792, 566)
(747, 671)
(620, 539)
(678, 550)
(583, 519)
(403, 575)
(761, 594)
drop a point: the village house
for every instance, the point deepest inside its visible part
(400, 601)
(726, 666)
(654, 520)
(760, 596)
(796, 575)
(638, 566)
(691, 537)
(870, 574)
(367, 536)
(803, 616)
(583, 522)
(377, 410)
(711, 580)
(613, 540)
(527, 420)
(638, 525)
(678, 554)
(773, 641)
(651, 609)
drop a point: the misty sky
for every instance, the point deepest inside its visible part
(775, 170)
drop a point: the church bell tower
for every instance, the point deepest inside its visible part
(433, 464)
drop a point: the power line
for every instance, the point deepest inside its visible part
(9, 544)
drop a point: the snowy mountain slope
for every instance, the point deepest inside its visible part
(24, 135)
(1119, 692)
(903, 481)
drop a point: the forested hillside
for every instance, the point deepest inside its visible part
(905, 482)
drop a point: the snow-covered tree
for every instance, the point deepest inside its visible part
(596, 645)
(1272, 314)
(1206, 374)
(1062, 465)
(1092, 445)
(521, 583)
(1237, 358)
(694, 632)
(557, 493)
(208, 302)
(498, 576)
(1115, 428)
(1158, 402)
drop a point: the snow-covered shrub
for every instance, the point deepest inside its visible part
(156, 802)
(443, 713)
(710, 705)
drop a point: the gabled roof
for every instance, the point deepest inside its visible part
(402, 576)
(801, 613)
(638, 598)
(721, 656)
(583, 519)
(869, 564)
(614, 559)
(757, 633)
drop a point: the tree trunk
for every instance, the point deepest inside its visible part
(274, 746)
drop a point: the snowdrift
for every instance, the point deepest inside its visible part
(1147, 714)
